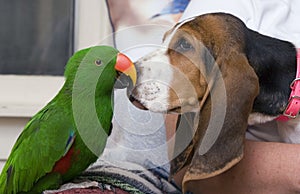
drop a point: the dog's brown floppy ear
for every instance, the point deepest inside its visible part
(218, 141)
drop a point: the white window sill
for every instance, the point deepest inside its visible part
(23, 96)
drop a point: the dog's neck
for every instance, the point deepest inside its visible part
(274, 62)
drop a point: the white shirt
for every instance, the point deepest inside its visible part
(275, 18)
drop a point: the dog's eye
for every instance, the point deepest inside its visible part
(183, 45)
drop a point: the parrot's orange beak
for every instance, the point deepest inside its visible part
(125, 66)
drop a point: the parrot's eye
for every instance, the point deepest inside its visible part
(98, 62)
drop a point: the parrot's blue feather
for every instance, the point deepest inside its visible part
(70, 142)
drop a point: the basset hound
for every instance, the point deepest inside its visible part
(233, 76)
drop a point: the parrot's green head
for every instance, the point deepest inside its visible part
(98, 67)
(91, 75)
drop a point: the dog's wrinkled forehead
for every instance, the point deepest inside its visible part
(170, 34)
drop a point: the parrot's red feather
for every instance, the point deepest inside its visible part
(62, 166)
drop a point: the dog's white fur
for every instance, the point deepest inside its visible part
(155, 76)
(258, 118)
(156, 79)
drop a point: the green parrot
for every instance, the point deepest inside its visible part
(70, 132)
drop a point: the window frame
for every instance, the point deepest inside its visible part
(24, 95)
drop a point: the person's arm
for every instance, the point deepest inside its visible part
(267, 167)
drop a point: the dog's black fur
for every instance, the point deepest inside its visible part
(274, 62)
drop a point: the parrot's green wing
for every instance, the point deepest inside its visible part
(41, 144)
